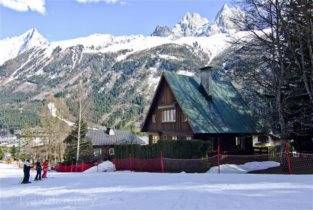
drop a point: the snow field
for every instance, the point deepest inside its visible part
(143, 191)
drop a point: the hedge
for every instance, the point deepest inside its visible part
(180, 149)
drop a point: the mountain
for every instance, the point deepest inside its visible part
(12, 47)
(162, 31)
(228, 19)
(193, 24)
(121, 71)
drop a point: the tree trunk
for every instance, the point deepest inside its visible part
(79, 121)
(279, 45)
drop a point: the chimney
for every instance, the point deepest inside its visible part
(206, 79)
(110, 131)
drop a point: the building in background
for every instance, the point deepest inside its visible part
(103, 141)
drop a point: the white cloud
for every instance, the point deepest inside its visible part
(25, 5)
(96, 1)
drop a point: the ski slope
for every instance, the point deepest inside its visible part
(143, 191)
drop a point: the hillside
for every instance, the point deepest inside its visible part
(122, 71)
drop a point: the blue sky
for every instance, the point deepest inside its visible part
(65, 19)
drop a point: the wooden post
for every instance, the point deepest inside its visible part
(162, 164)
(218, 155)
(288, 157)
(130, 163)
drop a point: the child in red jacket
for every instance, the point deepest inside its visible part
(45, 169)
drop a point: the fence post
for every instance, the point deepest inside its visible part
(218, 155)
(162, 164)
(288, 157)
(130, 163)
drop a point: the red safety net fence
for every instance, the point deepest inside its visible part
(62, 167)
(289, 163)
(136, 164)
(295, 163)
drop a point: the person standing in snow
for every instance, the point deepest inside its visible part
(26, 170)
(45, 169)
(38, 170)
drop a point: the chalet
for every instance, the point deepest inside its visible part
(203, 107)
(104, 140)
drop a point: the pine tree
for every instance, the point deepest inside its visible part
(86, 150)
(13, 152)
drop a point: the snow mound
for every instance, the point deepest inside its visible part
(244, 168)
(106, 166)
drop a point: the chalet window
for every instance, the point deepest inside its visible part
(184, 118)
(188, 137)
(97, 152)
(240, 143)
(169, 115)
(153, 118)
(111, 151)
(174, 137)
(155, 139)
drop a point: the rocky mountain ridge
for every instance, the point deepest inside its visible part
(193, 24)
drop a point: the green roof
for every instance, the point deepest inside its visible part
(223, 112)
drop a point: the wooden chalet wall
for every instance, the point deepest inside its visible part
(165, 100)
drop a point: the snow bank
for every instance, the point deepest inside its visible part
(105, 166)
(244, 168)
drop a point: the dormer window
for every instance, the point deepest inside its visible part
(153, 118)
(169, 115)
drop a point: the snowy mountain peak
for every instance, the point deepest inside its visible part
(16, 45)
(227, 16)
(191, 24)
(32, 38)
(162, 31)
(193, 19)
(226, 7)
(30, 32)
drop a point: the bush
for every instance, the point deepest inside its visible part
(1, 153)
(180, 149)
(13, 152)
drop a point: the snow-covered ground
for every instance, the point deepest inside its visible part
(244, 168)
(143, 191)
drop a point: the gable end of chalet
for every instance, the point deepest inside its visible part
(165, 116)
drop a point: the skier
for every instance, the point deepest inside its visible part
(45, 169)
(26, 170)
(38, 169)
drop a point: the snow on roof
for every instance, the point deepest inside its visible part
(100, 137)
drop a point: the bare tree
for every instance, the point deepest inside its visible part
(276, 61)
(83, 109)
(54, 128)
